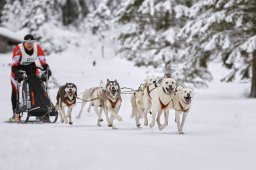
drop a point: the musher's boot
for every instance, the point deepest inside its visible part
(17, 118)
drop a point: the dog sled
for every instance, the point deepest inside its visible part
(33, 99)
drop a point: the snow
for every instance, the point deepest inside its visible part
(11, 34)
(219, 132)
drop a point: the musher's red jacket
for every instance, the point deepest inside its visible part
(18, 53)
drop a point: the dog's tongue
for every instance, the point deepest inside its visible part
(188, 99)
(68, 94)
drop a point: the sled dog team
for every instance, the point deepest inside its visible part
(151, 97)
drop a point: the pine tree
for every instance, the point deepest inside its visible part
(224, 30)
(148, 38)
(12, 15)
(100, 19)
(2, 3)
(70, 12)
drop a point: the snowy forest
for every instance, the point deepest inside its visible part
(179, 37)
(103, 63)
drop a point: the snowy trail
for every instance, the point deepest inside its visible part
(219, 132)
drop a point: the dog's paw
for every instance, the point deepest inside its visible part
(138, 125)
(98, 124)
(109, 125)
(114, 128)
(160, 127)
(181, 133)
(71, 123)
(151, 125)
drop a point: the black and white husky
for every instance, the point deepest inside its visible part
(66, 97)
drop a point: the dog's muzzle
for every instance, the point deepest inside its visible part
(169, 89)
(187, 99)
(70, 92)
(113, 91)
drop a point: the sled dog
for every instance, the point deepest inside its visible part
(158, 99)
(93, 96)
(66, 97)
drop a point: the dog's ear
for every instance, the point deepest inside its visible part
(179, 88)
(165, 76)
(102, 84)
(115, 81)
(191, 88)
(108, 80)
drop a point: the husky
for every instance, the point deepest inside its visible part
(112, 102)
(151, 85)
(182, 104)
(66, 97)
(150, 80)
(138, 105)
(158, 100)
(94, 97)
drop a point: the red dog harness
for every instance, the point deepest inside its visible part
(163, 106)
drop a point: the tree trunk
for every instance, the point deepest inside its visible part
(253, 86)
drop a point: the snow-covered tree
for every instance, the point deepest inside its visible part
(42, 18)
(12, 15)
(2, 3)
(71, 11)
(99, 19)
(148, 37)
(224, 30)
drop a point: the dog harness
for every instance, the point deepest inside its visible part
(151, 90)
(148, 92)
(69, 102)
(113, 104)
(182, 108)
(163, 106)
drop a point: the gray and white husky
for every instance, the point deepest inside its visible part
(66, 97)
(112, 102)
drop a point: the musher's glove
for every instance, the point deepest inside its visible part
(49, 71)
(18, 76)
